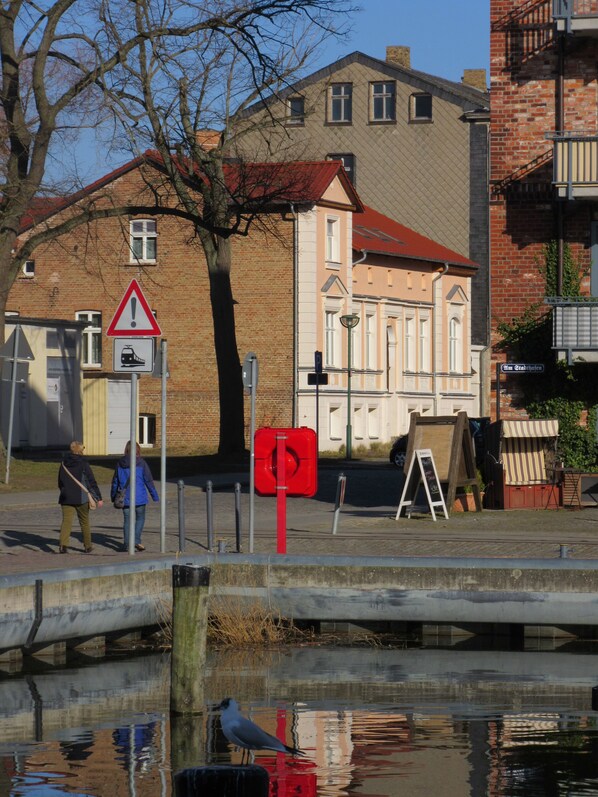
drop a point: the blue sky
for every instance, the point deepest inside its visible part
(445, 38)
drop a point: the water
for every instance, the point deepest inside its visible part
(373, 721)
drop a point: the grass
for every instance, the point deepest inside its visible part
(28, 474)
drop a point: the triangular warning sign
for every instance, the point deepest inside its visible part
(133, 316)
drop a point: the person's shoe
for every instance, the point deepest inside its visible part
(140, 547)
(62, 549)
(89, 549)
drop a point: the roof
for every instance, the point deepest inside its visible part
(378, 234)
(468, 97)
(273, 183)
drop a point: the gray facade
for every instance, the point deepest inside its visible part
(415, 146)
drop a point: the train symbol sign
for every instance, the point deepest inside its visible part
(133, 316)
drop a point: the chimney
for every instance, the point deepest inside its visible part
(208, 139)
(399, 55)
(475, 78)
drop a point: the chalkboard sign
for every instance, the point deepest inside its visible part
(422, 470)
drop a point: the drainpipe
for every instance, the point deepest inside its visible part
(295, 312)
(436, 279)
(559, 120)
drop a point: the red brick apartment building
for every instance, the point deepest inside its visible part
(544, 164)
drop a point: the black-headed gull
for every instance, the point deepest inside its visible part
(246, 734)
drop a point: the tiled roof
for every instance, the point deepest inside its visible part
(375, 233)
(293, 182)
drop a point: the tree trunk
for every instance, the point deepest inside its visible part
(230, 383)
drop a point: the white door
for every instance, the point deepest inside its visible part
(119, 415)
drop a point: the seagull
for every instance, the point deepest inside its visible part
(246, 734)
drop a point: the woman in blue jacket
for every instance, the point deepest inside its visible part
(144, 483)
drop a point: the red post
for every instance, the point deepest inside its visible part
(281, 493)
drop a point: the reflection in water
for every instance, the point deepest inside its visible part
(373, 722)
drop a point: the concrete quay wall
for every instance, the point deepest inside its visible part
(44, 608)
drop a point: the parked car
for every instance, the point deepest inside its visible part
(477, 427)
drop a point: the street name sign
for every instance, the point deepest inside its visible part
(522, 368)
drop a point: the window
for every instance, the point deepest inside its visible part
(331, 339)
(29, 268)
(296, 111)
(147, 430)
(454, 345)
(370, 341)
(424, 346)
(421, 107)
(332, 239)
(334, 423)
(340, 96)
(358, 429)
(373, 423)
(91, 338)
(382, 102)
(348, 161)
(144, 239)
(409, 344)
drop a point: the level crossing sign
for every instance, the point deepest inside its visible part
(133, 317)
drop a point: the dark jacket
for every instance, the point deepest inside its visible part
(70, 492)
(143, 481)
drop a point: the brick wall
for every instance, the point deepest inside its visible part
(89, 269)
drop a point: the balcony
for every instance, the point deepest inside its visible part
(575, 164)
(575, 328)
(576, 16)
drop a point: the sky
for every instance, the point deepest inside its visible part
(445, 38)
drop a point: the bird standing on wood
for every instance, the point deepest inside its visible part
(246, 734)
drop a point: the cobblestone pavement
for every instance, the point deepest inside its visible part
(29, 524)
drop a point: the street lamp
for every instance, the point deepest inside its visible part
(349, 322)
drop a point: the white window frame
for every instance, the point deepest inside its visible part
(455, 337)
(410, 343)
(29, 269)
(333, 239)
(340, 103)
(92, 333)
(371, 341)
(424, 345)
(296, 117)
(331, 338)
(146, 421)
(382, 93)
(143, 238)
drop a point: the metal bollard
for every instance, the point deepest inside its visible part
(238, 515)
(563, 551)
(181, 502)
(210, 513)
(340, 499)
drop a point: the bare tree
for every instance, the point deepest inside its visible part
(165, 69)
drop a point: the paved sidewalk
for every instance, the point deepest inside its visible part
(29, 524)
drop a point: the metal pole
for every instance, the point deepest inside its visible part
(252, 455)
(210, 513)
(133, 465)
(238, 515)
(163, 349)
(340, 499)
(11, 413)
(349, 450)
(498, 391)
(181, 506)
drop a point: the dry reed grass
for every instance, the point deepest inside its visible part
(234, 623)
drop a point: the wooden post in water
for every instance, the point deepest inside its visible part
(190, 586)
(222, 781)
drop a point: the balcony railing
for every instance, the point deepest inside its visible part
(575, 328)
(576, 16)
(575, 164)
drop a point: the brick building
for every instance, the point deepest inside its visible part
(544, 162)
(322, 255)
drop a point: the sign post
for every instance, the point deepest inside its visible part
(249, 374)
(21, 351)
(133, 328)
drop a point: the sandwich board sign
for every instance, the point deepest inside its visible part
(422, 471)
(133, 317)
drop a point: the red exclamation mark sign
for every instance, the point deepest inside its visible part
(133, 311)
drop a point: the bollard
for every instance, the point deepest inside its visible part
(190, 586)
(563, 551)
(224, 781)
(221, 546)
(210, 511)
(238, 515)
(181, 497)
(340, 499)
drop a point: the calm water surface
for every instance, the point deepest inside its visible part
(374, 722)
